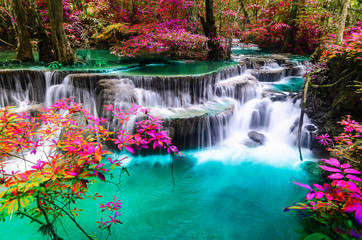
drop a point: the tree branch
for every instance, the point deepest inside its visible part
(29, 216)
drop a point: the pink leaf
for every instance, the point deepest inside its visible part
(358, 214)
(303, 185)
(336, 176)
(350, 170)
(330, 169)
(319, 195)
(72, 173)
(310, 195)
(346, 165)
(354, 178)
(319, 187)
(332, 161)
(99, 165)
(329, 197)
(129, 149)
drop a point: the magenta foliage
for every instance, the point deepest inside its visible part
(351, 125)
(272, 20)
(112, 207)
(340, 192)
(148, 131)
(324, 139)
(351, 47)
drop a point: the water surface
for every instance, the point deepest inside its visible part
(218, 194)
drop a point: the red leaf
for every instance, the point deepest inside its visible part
(75, 187)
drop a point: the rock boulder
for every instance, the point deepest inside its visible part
(257, 137)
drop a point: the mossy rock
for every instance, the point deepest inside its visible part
(312, 168)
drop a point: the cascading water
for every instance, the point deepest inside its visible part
(240, 132)
(242, 96)
(21, 88)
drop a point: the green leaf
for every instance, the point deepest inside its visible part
(317, 236)
(41, 189)
(125, 170)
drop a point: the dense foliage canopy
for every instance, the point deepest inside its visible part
(63, 157)
(174, 28)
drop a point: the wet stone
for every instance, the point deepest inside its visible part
(257, 137)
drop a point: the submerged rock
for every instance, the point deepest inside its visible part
(295, 125)
(275, 96)
(313, 169)
(170, 132)
(251, 143)
(33, 110)
(87, 80)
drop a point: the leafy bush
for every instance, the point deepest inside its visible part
(114, 33)
(63, 157)
(351, 47)
(159, 39)
(273, 20)
(337, 206)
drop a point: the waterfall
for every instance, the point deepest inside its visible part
(21, 87)
(203, 110)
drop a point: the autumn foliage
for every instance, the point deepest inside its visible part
(60, 157)
(173, 28)
(351, 48)
(337, 205)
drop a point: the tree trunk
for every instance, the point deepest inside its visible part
(216, 52)
(62, 50)
(132, 11)
(342, 22)
(289, 32)
(46, 53)
(246, 15)
(192, 16)
(24, 50)
(232, 34)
